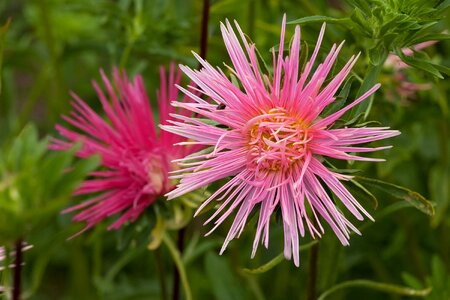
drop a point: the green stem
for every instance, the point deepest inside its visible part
(122, 262)
(276, 260)
(179, 264)
(56, 105)
(126, 54)
(384, 287)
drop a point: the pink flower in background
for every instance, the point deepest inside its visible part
(136, 158)
(396, 62)
(402, 87)
(272, 142)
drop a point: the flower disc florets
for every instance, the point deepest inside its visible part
(277, 140)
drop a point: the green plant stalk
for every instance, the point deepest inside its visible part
(179, 264)
(55, 102)
(383, 287)
(126, 54)
(122, 262)
(276, 260)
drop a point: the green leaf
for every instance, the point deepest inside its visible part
(444, 5)
(364, 193)
(439, 177)
(313, 19)
(341, 98)
(412, 281)
(361, 4)
(373, 285)
(402, 193)
(429, 37)
(419, 64)
(157, 233)
(369, 81)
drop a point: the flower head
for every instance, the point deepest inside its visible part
(273, 142)
(136, 158)
(401, 86)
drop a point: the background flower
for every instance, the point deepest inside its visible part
(274, 143)
(136, 158)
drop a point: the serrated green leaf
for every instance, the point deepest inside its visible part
(399, 192)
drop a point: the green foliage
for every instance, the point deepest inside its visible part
(401, 193)
(35, 184)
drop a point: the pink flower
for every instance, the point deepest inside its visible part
(401, 86)
(272, 142)
(396, 62)
(136, 158)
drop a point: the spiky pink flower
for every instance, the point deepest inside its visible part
(273, 142)
(136, 158)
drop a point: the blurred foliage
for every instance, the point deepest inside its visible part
(35, 184)
(52, 46)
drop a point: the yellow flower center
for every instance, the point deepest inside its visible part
(277, 140)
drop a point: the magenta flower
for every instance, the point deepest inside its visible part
(272, 141)
(136, 159)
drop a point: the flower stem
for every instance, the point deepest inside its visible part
(204, 29)
(312, 273)
(179, 264)
(17, 270)
(161, 274)
(378, 286)
(203, 51)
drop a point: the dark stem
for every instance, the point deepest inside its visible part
(203, 50)
(312, 273)
(176, 277)
(17, 270)
(161, 274)
(204, 29)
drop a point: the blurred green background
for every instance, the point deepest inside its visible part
(54, 46)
